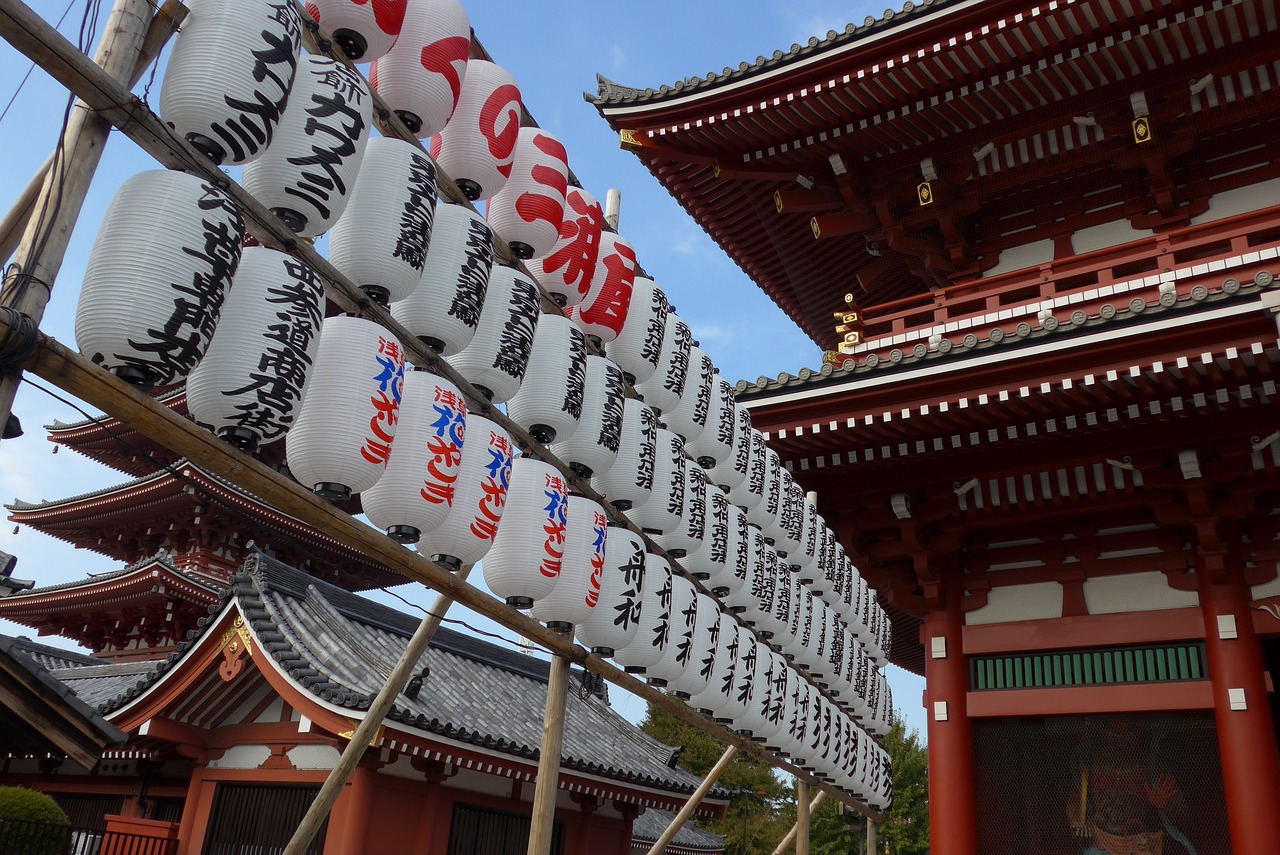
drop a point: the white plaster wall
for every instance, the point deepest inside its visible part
(1135, 592)
(1034, 601)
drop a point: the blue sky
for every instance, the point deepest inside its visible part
(554, 50)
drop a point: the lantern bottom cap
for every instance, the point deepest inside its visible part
(603, 651)
(559, 298)
(432, 342)
(765, 634)
(723, 720)
(560, 625)
(684, 696)
(720, 592)
(744, 733)
(521, 250)
(404, 533)
(544, 434)
(657, 682)
(520, 602)
(701, 576)
(737, 610)
(581, 470)
(293, 221)
(377, 294)
(242, 438)
(484, 391)
(634, 669)
(207, 147)
(331, 492)
(352, 43)
(707, 713)
(449, 562)
(595, 341)
(469, 188)
(707, 462)
(139, 377)
(622, 504)
(677, 553)
(412, 121)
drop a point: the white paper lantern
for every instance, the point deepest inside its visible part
(528, 210)
(795, 741)
(735, 708)
(790, 517)
(157, 275)
(476, 147)
(526, 557)
(678, 655)
(565, 272)
(613, 623)
(421, 77)
(603, 312)
(738, 564)
(749, 564)
(697, 675)
(663, 388)
(764, 592)
(731, 472)
(803, 624)
(654, 629)
(782, 624)
(444, 310)
(251, 380)
(686, 538)
(628, 483)
(228, 78)
(857, 675)
(416, 492)
(715, 443)
(805, 558)
(688, 417)
(756, 690)
(495, 360)
(710, 563)
(783, 678)
(722, 665)
(549, 403)
(752, 494)
(479, 497)
(380, 242)
(576, 594)
(765, 514)
(638, 347)
(362, 30)
(306, 176)
(594, 446)
(665, 507)
(344, 432)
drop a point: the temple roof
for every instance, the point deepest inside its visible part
(193, 507)
(40, 714)
(1016, 117)
(340, 647)
(690, 839)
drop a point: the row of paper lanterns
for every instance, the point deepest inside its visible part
(436, 264)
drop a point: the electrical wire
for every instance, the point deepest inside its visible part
(27, 76)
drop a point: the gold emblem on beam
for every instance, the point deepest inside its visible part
(350, 734)
(1142, 132)
(817, 229)
(924, 193)
(777, 200)
(627, 139)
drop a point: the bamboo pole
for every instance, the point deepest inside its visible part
(31, 35)
(548, 781)
(790, 837)
(163, 26)
(364, 734)
(873, 827)
(802, 817)
(71, 372)
(686, 811)
(57, 206)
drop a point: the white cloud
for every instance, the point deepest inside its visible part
(618, 56)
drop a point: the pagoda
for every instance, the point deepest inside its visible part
(181, 534)
(1039, 241)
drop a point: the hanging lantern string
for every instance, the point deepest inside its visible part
(389, 124)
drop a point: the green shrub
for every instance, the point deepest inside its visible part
(40, 828)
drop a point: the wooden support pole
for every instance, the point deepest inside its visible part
(163, 26)
(368, 728)
(802, 817)
(57, 206)
(872, 828)
(548, 781)
(790, 837)
(686, 811)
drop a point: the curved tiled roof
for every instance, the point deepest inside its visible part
(648, 827)
(610, 94)
(341, 647)
(93, 580)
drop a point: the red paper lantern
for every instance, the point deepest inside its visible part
(529, 208)
(478, 144)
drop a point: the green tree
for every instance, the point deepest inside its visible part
(906, 822)
(756, 819)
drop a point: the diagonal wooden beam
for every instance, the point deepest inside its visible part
(686, 811)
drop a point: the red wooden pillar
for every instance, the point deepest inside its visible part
(1242, 710)
(348, 823)
(953, 806)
